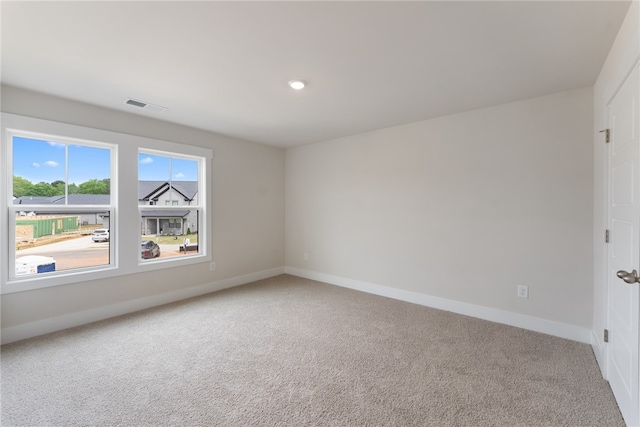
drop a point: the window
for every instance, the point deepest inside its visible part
(66, 218)
(61, 193)
(169, 202)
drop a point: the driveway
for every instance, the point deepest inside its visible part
(83, 252)
(83, 243)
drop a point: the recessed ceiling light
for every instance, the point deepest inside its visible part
(297, 84)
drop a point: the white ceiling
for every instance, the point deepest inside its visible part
(224, 66)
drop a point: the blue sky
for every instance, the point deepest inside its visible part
(44, 161)
(160, 168)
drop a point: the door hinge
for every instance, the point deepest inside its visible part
(607, 135)
(606, 335)
(606, 236)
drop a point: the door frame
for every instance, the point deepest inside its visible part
(605, 351)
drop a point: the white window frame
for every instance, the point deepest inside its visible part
(199, 207)
(124, 215)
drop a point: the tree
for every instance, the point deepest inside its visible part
(22, 187)
(93, 186)
(107, 182)
(59, 187)
(72, 189)
(43, 189)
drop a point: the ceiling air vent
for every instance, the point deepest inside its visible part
(145, 105)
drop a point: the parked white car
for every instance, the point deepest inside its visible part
(100, 235)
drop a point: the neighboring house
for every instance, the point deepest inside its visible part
(164, 193)
(150, 193)
(166, 221)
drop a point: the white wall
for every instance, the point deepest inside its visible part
(463, 207)
(247, 189)
(624, 54)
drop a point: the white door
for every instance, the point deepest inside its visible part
(624, 247)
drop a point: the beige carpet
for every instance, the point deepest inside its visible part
(292, 352)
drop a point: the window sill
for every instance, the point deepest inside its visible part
(67, 277)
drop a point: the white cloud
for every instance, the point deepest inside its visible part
(146, 160)
(51, 163)
(180, 175)
(35, 165)
(55, 144)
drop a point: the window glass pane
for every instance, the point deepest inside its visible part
(184, 170)
(51, 174)
(170, 231)
(170, 184)
(89, 175)
(50, 241)
(38, 171)
(41, 169)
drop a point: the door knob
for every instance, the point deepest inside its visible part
(628, 277)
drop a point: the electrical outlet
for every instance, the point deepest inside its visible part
(523, 291)
(212, 266)
(306, 256)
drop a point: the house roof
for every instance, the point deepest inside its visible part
(151, 189)
(146, 191)
(74, 199)
(165, 213)
(147, 188)
(86, 199)
(36, 200)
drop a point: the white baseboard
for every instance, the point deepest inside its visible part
(598, 351)
(549, 327)
(41, 327)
